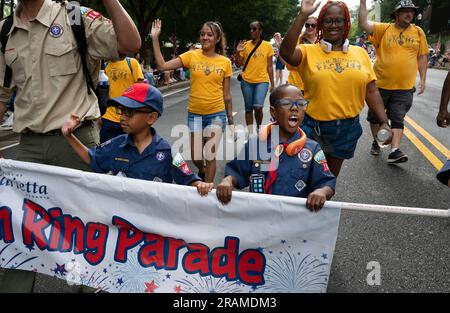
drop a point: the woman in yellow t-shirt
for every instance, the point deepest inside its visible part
(257, 75)
(210, 102)
(337, 79)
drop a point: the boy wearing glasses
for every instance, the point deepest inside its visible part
(287, 163)
(141, 153)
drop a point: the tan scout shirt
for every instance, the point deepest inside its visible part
(47, 69)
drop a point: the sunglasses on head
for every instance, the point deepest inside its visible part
(307, 25)
(130, 112)
(299, 103)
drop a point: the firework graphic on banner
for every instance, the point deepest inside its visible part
(208, 284)
(131, 276)
(288, 272)
(14, 259)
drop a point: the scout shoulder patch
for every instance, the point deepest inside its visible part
(179, 162)
(320, 157)
(93, 14)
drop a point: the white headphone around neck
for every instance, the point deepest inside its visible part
(326, 46)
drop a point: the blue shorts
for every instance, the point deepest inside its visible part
(337, 138)
(279, 65)
(199, 122)
(254, 94)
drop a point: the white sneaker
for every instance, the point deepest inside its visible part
(7, 123)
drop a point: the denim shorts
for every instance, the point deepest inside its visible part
(337, 138)
(254, 95)
(199, 122)
(397, 103)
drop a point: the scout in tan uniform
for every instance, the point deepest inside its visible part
(48, 76)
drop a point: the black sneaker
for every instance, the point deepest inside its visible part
(375, 149)
(397, 157)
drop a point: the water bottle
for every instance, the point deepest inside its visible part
(102, 91)
(383, 135)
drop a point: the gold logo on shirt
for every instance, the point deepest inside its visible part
(207, 71)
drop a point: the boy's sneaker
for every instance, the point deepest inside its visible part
(397, 157)
(375, 150)
(7, 123)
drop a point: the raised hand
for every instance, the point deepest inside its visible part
(241, 46)
(156, 28)
(308, 7)
(70, 125)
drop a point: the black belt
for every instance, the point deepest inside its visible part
(57, 132)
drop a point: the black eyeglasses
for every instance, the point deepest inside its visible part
(130, 112)
(299, 103)
(253, 29)
(330, 21)
(307, 25)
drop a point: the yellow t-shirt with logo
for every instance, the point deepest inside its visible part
(256, 71)
(335, 83)
(207, 75)
(396, 64)
(120, 79)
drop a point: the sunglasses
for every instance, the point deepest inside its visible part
(338, 21)
(307, 25)
(130, 112)
(299, 103)
(253, 29)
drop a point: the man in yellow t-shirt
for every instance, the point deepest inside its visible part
(257, 74)
(401, 49)
(122, 74)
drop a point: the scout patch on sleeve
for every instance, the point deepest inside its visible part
(93, 14)
(179, 162)
(320, 157)
(84, 10)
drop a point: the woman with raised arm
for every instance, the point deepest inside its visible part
(210, 103)
(337, 79)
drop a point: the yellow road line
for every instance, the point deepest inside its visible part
(430, 138)
(423, 149)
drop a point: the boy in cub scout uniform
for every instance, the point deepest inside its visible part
(295, 165)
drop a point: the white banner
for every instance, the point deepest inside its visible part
(126, 235)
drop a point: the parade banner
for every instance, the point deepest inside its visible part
(125, 235)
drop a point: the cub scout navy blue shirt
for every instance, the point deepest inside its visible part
(297, 176)
(120, 156)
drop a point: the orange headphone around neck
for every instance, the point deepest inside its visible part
(293, 148)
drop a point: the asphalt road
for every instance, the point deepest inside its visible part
(413, 252)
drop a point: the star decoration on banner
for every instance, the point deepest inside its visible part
(325, 256)
(177, 289)
(283, 241)
(60, 269)
(168, 276)
(150, 287)
(105, 271)
(120, 281)
(30, 247)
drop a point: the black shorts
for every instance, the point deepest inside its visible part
(397, 103)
